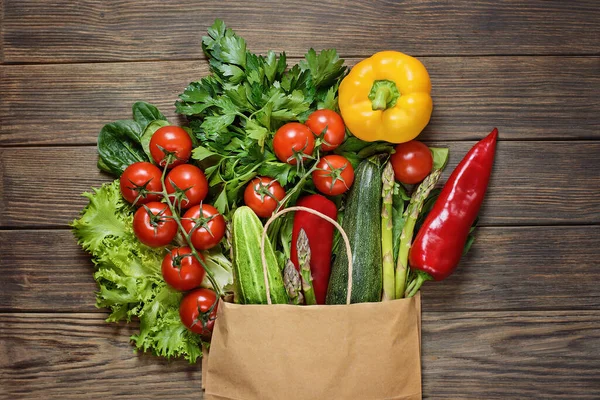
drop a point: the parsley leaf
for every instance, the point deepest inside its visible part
(235, 112)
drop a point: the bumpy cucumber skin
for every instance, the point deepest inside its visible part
(247, 265)
(362, 224)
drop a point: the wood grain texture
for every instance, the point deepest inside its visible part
(516, 355)
(526, 97)
(75, 356)
(533, 183)
(65, 31)
(509, 268)
(472, 355)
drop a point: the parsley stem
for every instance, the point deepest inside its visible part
(298, 185)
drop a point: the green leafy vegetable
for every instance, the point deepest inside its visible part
(356, 150)
(144, 113)
(235, 111)
(122, 143)
(147, 136)
(440, 157)
(129, 276)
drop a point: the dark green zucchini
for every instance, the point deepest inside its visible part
(362, 224)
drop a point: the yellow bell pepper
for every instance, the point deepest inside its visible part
(386, 97)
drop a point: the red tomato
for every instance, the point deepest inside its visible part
(198, 310)
(333, 122)
(291, 139)
(412, 162)
(137, 180)
(190, 179)
(152, 226)
(334, 175)
(207, 227)
(263, 195)
(170, 140)
(181, 270)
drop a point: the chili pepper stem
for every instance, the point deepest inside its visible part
(415, 285)
(387, 240)
(411, 214)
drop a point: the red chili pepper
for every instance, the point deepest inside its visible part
(320, 240)
(439, 243)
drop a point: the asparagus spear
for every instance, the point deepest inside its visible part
(411, 214)
(304, 263)
(387, 242)
(292, 283)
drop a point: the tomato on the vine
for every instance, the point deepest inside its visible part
(181, 270)
(198, 311)
(334, 175)
(138, 181)
(320, 120)
(170, 143)
(190, 181)
(292, 142)
(263, 195)
(206, 225)
(412, 162)
(153, 225)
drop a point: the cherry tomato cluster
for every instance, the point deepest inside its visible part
(154, 224)
(294, 143)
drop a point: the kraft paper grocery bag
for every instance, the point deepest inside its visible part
(357, 351)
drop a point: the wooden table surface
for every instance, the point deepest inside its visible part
(520, 318)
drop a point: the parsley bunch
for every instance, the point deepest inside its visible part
(236, 110)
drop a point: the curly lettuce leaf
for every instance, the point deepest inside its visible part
(129, 277)
(106, 215)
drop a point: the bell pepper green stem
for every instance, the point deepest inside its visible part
(384, 94)
(381, 98)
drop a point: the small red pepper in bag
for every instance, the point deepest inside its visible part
(320, 240)
(439, 244)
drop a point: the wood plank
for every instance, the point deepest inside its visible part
(75, 356)
(509, 268)
(63, 31)
(534, 355)
(533, 183)
(46, 271)
(526, 97)
(548, 355)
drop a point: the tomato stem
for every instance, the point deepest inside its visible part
(298, 185)
(209, 273)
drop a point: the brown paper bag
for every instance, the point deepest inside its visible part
(354, 351)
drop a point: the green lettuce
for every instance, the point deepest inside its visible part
(129, 277)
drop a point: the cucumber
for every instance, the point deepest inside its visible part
(249, 281)
(362, 224)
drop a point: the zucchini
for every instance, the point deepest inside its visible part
(249, 281)
(362, 224)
